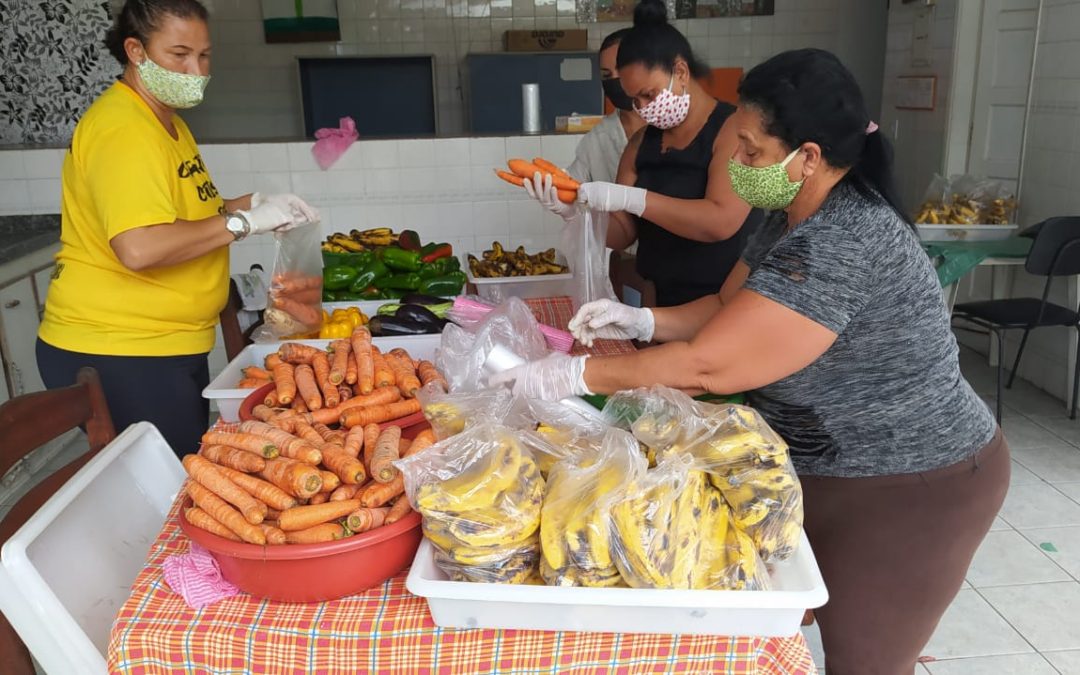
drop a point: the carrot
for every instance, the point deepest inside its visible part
(233, 458)
(220, 511)
(296, 353)
(386, 451)
(318, 534)
(548, 167)
(399, 510)
(407, 381)
(303, 517)
(349, 469)
(263, 413)
(256, 373)
(344, 492)
(274, 535)
(362, 520)
(299, 406)
(206, 473)
(321, 367)
(350, 371)
(510, 178)
(384, 376)
(424, 440)
(371, 437)
(205, 521)
(306, 432)
(330, 436)
(284, 382)
(268, 493)
(260, 446)
(339, 357)
(365, 365)
(304, 313)
(320, 498)
(376, 494)
(272, 360)
(567, 196)
(292, 282)
(288, 444)
(345, 392)
(250, 383)
(273, 514)
(306, 386)
(378, 397)
(379, 413)
(297, 478)
(429, 373)
(330, 481)
(523, 168)
(354, 442)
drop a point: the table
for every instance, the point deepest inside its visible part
(557, 312)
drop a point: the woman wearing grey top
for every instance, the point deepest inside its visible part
(834, 323)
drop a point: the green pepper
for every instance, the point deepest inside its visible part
(327, 295)
(409, 240)
(393, 294)
(364, 279)
(371, 293)
(437, 253)
(347, 296)
(440, 267)
(400, 282)
(444, 286)
(338, 277)
(356, 260)
(402, 260)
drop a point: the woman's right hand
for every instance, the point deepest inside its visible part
(542, 190)
(268, 216)
(301, 211)
(608, 320)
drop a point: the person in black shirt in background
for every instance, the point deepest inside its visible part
(672, 193)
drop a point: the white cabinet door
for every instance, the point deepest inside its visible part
(19, 323)
(42, 278)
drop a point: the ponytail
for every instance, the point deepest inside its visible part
(873, 172)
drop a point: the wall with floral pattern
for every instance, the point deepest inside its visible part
(54, 65)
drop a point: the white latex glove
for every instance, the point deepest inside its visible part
(612, 197)
(552, 378)
(541, 189)
(267, 217)
(610, 320)
(301, 211)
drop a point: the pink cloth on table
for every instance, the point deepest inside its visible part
(468, 311)
(196, 577)
(332, 143)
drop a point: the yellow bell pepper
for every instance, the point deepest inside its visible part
(335, 330)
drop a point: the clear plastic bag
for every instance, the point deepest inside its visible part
(574, 533)
(584, 241)
(671, 528)
(479, 494)
(742, 455)
(462, 352)
(294, 301)
(452, 413)
(966, 200)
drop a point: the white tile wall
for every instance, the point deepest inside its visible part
(255, 90)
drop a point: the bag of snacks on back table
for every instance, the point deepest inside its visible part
(966, 200)
(294, 301)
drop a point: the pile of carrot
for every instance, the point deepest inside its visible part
(522, 170)
(290, 480)
(299, 296)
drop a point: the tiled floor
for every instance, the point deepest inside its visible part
(1019, 612)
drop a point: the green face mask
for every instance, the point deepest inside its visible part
(176, 90)
(764, 187)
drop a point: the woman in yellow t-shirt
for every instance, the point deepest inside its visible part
(143, 267)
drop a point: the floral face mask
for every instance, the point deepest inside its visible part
(667, 110)
(176, 90)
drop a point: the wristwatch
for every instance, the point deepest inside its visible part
(237, 224)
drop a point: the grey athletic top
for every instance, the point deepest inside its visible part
(887, 397)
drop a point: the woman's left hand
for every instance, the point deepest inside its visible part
(301, 212)
(552, 378)
(612, 197)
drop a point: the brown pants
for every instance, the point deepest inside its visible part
(894, 551)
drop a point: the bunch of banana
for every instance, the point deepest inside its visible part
(450, 413)
(357, 240)
(508, 566)
(486, 515)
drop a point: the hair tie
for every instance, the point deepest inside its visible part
(871, 128)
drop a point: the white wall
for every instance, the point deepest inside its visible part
(255, 90)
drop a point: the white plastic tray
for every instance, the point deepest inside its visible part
(223, 388)
(966, 232)
(498, 289)
(66, 572)
(797, 585)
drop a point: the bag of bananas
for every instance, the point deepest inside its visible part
(671, 528)
(450, 413)
(574, 533)
(743, 457)
(480, 494)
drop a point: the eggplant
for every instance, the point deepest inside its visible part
(421, 299)
(392, 325)
(421, 315)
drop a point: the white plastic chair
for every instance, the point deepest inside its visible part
(65, 574)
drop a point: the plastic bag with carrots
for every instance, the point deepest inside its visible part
(294, 301)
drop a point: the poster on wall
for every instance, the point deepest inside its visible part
(300, 21)
(623, 10)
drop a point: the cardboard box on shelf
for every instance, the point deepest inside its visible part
(546, 40)
(576, 124)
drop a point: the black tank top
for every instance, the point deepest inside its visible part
(682, 269)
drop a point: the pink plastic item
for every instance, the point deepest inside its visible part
(332, 143)
(196, 577)
(467, 312)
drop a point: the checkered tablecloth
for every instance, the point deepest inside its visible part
(557, 312)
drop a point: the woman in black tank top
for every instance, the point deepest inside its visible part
(672, 193)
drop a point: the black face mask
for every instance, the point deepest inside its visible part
(614, 92)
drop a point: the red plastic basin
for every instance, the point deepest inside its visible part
(257, 396)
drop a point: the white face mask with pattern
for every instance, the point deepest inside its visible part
(667, 110)
(176, 90)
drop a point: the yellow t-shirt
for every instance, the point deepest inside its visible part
(122, 171)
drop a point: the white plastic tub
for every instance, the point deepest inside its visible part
(498, 289)
(223, 389)
(67, 571)
(797, 585)
(966, 232)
